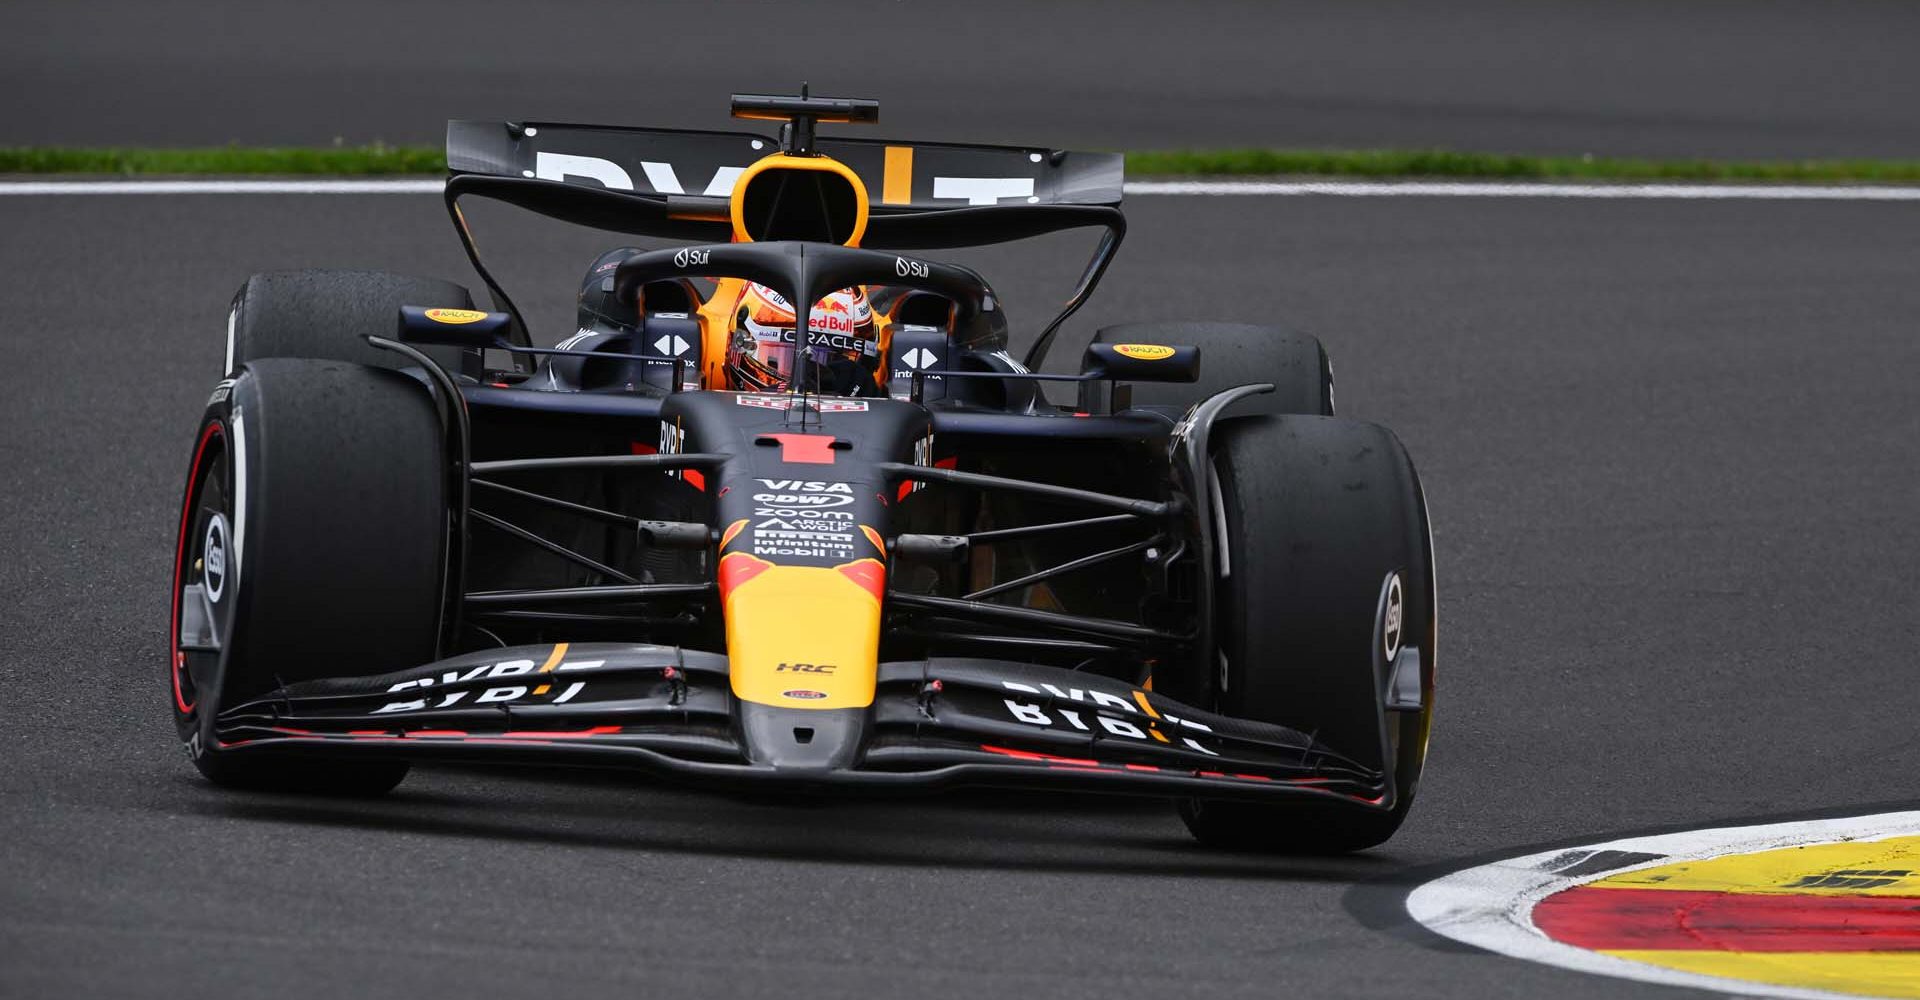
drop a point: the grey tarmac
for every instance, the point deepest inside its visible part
(1668, 448)
(1755, 79)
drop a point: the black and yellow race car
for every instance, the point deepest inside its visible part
(902, 559)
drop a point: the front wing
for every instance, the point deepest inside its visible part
(935, 723)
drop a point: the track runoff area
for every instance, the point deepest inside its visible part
(1824, 908)
(1819, 909)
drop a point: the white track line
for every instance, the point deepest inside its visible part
(1477, 189)
(1268, 189)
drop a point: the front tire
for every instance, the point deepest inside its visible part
(1319, 513)
(312, 544)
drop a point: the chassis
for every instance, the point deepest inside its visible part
(961, 582)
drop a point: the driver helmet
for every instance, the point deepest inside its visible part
(761, 348)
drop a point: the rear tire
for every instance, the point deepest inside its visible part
(1234, 354)
(313, 544)
(326, 314)
(1318, 513)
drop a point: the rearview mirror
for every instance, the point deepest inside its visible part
(1142, 362)
(454, 327)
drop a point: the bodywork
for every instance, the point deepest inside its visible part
(963, 582)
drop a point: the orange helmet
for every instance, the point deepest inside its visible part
(761, 350)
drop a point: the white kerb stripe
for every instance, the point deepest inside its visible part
(1200, 188)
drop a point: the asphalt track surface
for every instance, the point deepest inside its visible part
(1669, 453)
(1725, 78)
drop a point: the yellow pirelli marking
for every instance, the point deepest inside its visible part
(896, 182)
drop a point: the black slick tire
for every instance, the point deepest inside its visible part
(312, 544)
(1319, 513)
(325, 314)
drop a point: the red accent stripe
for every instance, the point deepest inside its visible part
(1045, 757)
(870, 574)
(1654, 919)
(642, 449)
(737, 568)
(695, 478)
(804, 449)
(178, 661)
(529, 734)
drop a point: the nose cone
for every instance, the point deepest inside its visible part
(801, 739)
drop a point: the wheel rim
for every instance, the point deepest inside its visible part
(205, 573)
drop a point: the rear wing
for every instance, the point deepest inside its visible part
(675, 163)
(675, 184)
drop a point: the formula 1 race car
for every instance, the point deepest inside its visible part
(881, 555)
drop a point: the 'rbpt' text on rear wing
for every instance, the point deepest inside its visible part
(903, 176)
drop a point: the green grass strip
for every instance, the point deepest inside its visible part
(339, 161)
(1497, 166)
(383, 160)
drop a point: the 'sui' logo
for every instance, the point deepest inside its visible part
(691, 256)
(909, 268)
(1391, 618)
